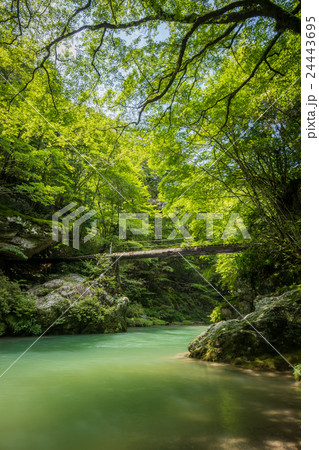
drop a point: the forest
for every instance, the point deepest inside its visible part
(151, 184)
(186, 110)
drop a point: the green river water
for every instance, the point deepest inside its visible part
(135, 391)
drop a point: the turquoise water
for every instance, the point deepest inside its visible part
(135, 391)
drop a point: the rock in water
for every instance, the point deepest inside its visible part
(276, 318)
(89, 309)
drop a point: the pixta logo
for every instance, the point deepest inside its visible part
(63, 228)
(234, 226)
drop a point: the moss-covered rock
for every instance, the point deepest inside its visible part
(85, 308)
(275, 321)
(235, 310)
(22, 236)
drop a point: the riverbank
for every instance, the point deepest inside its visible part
(78, 305)
(255, 371)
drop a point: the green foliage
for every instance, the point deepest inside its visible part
(216, 315)
(145, 322)
(140, 322)
(15, 251)
(222, 137)
(45, 163)
(159, 322)
(167, 290)
(259, 270)
(87, 316)
(297, 372)
(18, 313)
(227, 267)
(137, 317)
(135, 310)
(292, 287)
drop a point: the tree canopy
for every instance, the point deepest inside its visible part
(168, 106)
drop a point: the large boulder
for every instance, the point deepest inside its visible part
(228, 312)
(85, 307)
(275, 323)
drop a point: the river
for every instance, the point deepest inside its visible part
(135, 391)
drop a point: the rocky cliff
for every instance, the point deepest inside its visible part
(22, 237)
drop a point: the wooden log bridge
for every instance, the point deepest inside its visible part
(154, 253)
(178, 251)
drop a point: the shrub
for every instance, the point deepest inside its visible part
(158, 322)
(88, 315)
(18, 312)
(135, 310)
(139, 322)
(297, 372)
(216, 315)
